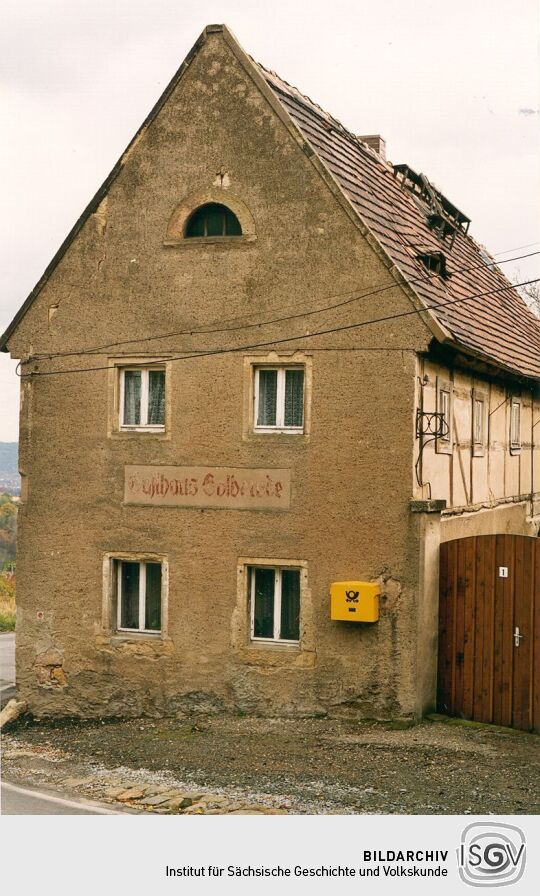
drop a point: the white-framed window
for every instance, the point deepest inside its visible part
(139, 598)
(142, 398)
(444, 408)
(274, 593)
(445, 415)
(478, 421)
(515, 424)
(279, 399)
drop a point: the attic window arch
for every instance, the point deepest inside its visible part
(212, 219)
(211, 215)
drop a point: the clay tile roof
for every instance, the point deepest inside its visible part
(499, 327)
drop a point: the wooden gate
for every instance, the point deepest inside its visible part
(489, 630)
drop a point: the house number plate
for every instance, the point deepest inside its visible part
(503, 572)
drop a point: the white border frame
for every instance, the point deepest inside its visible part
(445, 444)
(142, 598)
(478, 448)
(278, 570)
(109, 617)
(281, 370)
(515, 446)
(145, 378)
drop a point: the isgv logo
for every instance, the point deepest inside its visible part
(491, 854)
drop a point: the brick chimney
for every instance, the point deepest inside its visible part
(376, 142)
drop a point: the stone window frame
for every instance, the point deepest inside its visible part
(288, 654)
(275, 360)
(444, 444)
(515, 444)
(109, 613)
(176, 226)
(478, 448)
(117, 365)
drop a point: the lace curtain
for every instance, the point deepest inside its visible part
(294, 398)
(266, 412)
(156, 397)
(132, 397)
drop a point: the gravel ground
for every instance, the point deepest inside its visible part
(314, 766)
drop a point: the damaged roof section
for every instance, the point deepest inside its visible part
(403, 210)
(428, 194)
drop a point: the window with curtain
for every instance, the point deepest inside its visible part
(138, 595)
(275, 603)
(213, 219)
(142, 398)
(279, 399)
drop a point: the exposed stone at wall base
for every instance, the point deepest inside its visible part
(106, 701)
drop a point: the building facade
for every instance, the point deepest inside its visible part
(240, 384)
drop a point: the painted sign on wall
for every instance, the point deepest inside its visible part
(227, 487)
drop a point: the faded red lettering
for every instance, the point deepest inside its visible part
(208, 485)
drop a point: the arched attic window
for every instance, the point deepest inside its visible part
(212, 219)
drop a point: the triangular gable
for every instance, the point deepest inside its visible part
(498, 328)
(256, 74)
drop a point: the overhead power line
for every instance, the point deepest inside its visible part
(514, 249)
(246, 326)
(288, 339)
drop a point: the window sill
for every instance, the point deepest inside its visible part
(271, 431)
(143, 644)
(193, 242)
(272, 653)
(277, 437)
(443, 447)
(137, 433)
(151, 429)
(273, 642)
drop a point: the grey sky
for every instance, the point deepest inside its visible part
(452, 88)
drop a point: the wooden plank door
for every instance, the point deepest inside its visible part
(489, 630)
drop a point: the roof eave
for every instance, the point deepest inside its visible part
(485, 364)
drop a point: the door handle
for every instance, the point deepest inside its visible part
(517, 636)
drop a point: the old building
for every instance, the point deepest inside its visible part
(265, 360)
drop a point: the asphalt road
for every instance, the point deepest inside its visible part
(7, 658)
(7, 665)
(18, 800)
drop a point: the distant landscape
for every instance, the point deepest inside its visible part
(10, 487)
(10, 481)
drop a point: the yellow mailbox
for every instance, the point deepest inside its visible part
(354, 601)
